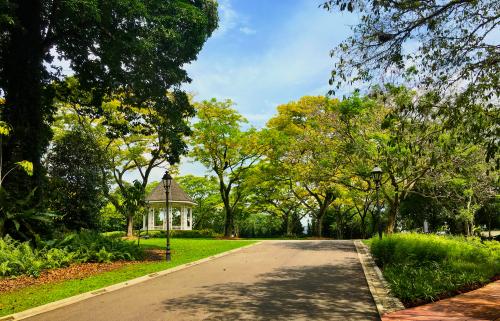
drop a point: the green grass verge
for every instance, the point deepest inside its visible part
(183, 251)
(423, 268)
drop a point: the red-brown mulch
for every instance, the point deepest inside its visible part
(450, 294)
(74, 271)
(478, 305)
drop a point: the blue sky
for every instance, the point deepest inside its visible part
(266, 53)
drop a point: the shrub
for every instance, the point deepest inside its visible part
(115, 234)
(422, 268)
(87, 245)
(17, 258)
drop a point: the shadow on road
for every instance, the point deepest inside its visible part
(327, 245)
(325, 292)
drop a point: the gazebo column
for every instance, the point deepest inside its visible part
(184, 218)
(151, 218)
(190, 217)
(163, 213)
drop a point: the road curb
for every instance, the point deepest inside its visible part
(91, 294)
(378, 286)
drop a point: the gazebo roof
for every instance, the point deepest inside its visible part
(177, 194)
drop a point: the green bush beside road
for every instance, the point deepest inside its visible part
(422, 268)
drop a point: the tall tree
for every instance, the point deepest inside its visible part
(310, 152)
(132, 138)
(445, 46)
(222, 146)
(138, 46)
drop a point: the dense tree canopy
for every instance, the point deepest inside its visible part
(132, 139)
(448, 47)
(74, 169)
(136, 47)
(208, 213)
(222, 146)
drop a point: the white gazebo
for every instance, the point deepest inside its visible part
(181, 209)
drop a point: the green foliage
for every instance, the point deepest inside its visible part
(448, 47)
(91, 247)
(422, 267)
(115, 234)
(22, 218)
(111, 45)
(261, 225)
(208, 213)
(221, 145)
(110, 219)
(133, 138)
(76, 189)
(20, 258)
(185, 234)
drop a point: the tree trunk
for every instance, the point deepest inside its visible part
(489, 225)
(228, 225)
(392, 215)
(225, 193)
(319, 222)
(2, 227)
(130, 225)
(338, 220)
(24, 110)
(363, 226)
(287, 226)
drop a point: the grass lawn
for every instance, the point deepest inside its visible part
(422, 268)
(183, 251)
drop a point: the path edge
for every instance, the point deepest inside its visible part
(110, 288)
(379, 288)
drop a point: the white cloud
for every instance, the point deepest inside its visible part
(296, 63)
(248, 30)
(228, 18)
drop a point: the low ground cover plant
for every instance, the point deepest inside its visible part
(185, 234)
(21, 258)
(422, 268)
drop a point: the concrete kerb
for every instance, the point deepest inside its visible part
(378, 286)
(87, 295)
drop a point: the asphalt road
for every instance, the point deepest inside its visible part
(275, 280)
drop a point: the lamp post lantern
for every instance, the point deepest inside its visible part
(377, 178)
(167, 182)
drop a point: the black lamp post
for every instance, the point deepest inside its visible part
(167, 182)
(377, 177)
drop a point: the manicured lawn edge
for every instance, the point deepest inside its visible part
(51, 296)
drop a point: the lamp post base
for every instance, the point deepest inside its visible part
(167, 254)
